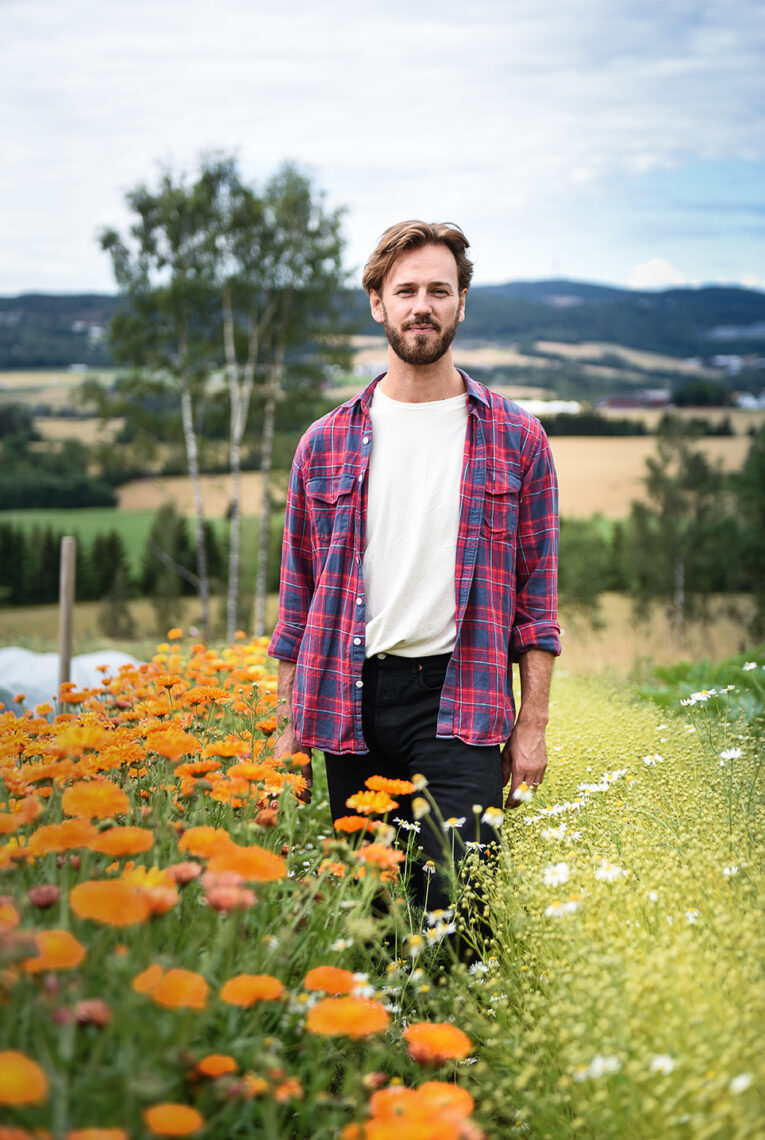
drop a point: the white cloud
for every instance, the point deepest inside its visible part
(481, 114)
(655, 274)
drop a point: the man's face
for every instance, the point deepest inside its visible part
(420, 305)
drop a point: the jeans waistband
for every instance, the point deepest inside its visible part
(403, 664)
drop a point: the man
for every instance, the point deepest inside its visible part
(419, 561)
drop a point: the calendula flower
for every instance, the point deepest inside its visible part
(96, 1134)
(216, 1065)
(22, 1081)
(118, 841)
(433, 1042)
(247, 989)
(44, 896)
(351, 823)
(371, 803)
(253, 863)
(66, 836)
(113, 903)
(330, 979)
(181, 989)
(392, 787)
(56, 950)
(347, 1017)
(172, 1119)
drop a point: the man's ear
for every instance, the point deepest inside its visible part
(461, 311)
(376, 306)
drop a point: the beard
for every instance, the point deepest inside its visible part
(426, 349)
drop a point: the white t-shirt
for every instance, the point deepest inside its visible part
(415, 470)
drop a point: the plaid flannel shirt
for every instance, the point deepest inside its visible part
(505, 579)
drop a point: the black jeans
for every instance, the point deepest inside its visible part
(400, 703)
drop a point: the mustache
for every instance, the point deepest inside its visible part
(424, 322)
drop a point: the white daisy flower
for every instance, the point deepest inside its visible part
(662, 1063)
(555, 874)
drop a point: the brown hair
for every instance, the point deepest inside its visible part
(411, 235)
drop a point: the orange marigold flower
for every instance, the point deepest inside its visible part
(156, 884)
(247, 989)
(380, 855)
(392, 787)
(216, 1065)
(94, 799)
(433, 1042)
(347, 1017)
(253, 863)
(204, 840)
(371, 803)
(196, 768)
(181, 989)
(172, 1119)
(167, 680)
(97, 1134)
(331, 979)
(24, 811)
(123, 841)
(172, 743)
(22, 1081)
(252, 1085)
(64, 836)
(289, 1089)
(148, 980)
(112, 902)
(174, 634)
(350, 823)
(9, 916)
(268, 725)
(56, 950)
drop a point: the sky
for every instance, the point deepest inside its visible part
(614, 141)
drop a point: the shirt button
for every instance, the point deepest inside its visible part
(359, 601)
(382, 656)
(359, 684)
(357, 641)
(365, 439)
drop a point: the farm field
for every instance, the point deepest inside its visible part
(600, 475)
(619, 648)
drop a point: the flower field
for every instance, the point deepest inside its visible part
(188, 950)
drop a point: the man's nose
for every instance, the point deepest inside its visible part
(422, 302)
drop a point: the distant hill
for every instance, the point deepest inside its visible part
(54, 331)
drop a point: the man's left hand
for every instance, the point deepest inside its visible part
(524, 758)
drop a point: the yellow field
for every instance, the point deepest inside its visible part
(603, 475)
(93, 430)
(741, 420)
(592, 350)
(149, 494)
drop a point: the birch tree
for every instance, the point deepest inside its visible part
(167, 327)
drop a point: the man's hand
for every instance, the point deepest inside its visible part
(524, 759)
(286, 743)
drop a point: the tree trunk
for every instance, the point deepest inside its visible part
(678, 600)
(269, 415)
(192, 459)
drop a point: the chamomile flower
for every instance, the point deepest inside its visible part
(454, 822)
(555, 874)
(495, 817)
(731, 754)
(608, 872)
(740, 1083)
(523, 793)
(662, 1063)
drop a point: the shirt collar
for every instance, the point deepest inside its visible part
(475, 391)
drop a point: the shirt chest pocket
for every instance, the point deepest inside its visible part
(501, 502)
(329, 501)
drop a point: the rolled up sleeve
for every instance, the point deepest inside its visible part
(536, 605)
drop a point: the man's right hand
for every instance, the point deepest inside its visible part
(287, 744)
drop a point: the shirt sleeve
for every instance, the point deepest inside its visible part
(536, 605)
(296, 582)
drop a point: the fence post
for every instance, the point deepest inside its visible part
(66, 607)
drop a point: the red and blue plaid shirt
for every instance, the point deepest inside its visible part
(505, 579)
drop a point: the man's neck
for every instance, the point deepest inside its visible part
(419, 383)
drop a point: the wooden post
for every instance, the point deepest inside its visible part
(66, 607)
